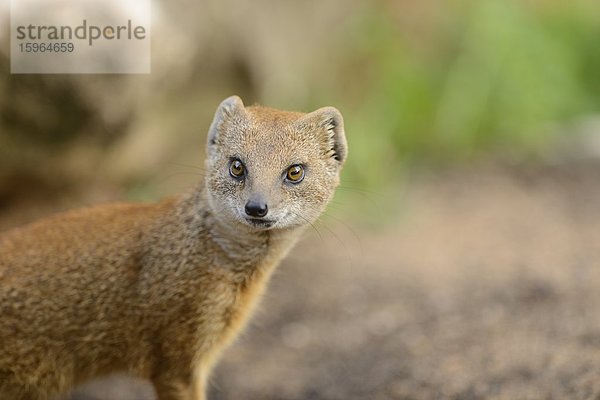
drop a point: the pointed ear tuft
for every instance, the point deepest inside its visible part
(231, 109)
(331, 120)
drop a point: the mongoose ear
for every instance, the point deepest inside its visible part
(331, 121)
(230, 110)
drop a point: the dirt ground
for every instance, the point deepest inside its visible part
(486, 286)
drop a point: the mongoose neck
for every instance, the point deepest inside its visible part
(235, 247)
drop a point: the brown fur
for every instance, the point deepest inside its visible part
(159, 290)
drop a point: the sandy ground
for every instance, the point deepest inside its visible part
(487, 286)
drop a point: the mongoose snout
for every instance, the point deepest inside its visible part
(256, 207)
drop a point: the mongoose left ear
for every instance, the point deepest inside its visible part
(331, 121)
(231, 110)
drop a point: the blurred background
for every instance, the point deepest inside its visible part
(460, 258)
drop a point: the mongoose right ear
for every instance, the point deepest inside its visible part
(232, 111)
(330, 121)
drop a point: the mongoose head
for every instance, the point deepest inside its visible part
(271, 169)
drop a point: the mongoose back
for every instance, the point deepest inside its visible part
(159, 290)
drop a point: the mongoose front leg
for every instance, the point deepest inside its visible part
(167, 392)
(176, 390)
(10, 389)
(15, 392)
(169, 386)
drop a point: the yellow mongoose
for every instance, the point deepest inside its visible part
(159, 290)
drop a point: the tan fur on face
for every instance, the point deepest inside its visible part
(268, 142)
(159, 290)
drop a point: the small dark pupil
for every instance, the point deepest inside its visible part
(294, 172)
(237, 167)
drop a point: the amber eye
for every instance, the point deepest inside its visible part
(237, 169)
(295, 174)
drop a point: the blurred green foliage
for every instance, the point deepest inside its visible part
(479, 77)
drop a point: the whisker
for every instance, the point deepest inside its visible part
(371, 196)
(187, 165)
(310, 223)
(345, 225)
(348, 253)
(184, 173)
(337, 206)
(170, 176)
(322, 224)
(358, 189)
(374, 199)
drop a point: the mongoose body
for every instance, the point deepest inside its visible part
(159, 290)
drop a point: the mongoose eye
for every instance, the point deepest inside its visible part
(237, 169)
(295, 174)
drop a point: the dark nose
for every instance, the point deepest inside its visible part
(256, 208)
